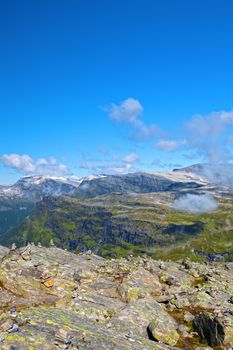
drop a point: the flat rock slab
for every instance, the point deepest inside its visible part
(55, 299)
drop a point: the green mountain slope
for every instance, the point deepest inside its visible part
(12, 213)
(118, 225)
(16, 201)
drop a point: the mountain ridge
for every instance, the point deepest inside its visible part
(50, 185)
(17, 201)
(116, 215)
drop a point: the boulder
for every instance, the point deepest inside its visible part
(209, 329)
(163, 331)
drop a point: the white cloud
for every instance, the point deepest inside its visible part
(116, 165)
(207, 135)
(40, 161)
(131, 158)
(145, 132)
(130, 112)
(208, 138)
(195, 204)
(29, 166)
(169, 145)
(169, 166)
(210, 125)
(119, 169)
(126, 112)
(108, 168)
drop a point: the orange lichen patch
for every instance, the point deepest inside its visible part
(156, 293)
(48, 283)
(26, 257)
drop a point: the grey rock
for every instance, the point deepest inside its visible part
(209, 329)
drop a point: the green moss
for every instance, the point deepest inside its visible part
(51, 322)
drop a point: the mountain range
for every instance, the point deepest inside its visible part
(35, 188)
(167, 286)
(115, 215)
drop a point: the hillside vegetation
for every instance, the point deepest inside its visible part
(117, 225)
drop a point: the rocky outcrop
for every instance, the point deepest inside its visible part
(163, 329)
(209, 329)
(53, 299)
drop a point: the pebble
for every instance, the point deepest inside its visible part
(14, 328)
(13, 247)
(14, 347)
(6, 325)
(75, 295)
(77, 277)
(171, 281)
(13, 313)
(188, 317)
(49, 283)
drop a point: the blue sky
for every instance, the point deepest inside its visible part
(110, 86)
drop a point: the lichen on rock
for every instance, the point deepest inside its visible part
(58, 299)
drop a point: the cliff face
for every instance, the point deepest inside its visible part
(119, 215)
(134, 183)
(53, 299)
(117, 225)
(108, 229)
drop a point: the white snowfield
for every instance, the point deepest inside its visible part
(182, 176)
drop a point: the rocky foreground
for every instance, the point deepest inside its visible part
(53, 299)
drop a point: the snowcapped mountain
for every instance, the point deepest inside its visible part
(17, 201)
(34, 188)
(112, 214)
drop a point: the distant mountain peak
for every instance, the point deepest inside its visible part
(216, 173)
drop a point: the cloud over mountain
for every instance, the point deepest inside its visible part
(112, 166)
(131, 158)
(28, 166)
(196, 204)
(169, 145)
(206, 136)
